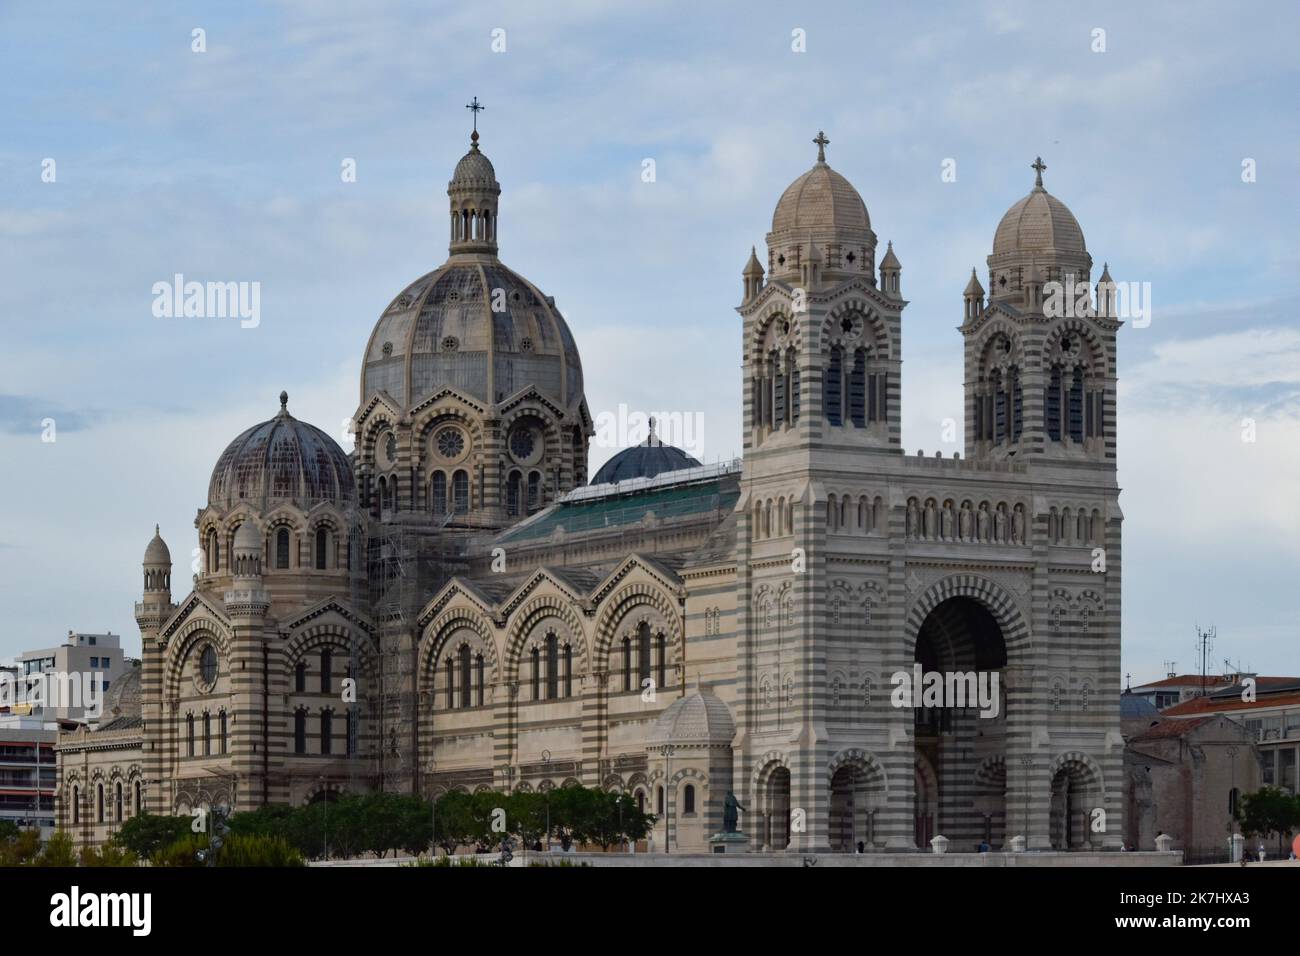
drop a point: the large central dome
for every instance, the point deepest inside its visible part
(472, 324)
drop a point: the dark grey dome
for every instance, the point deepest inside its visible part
(445, 329)
(1131, 707)
(646, 460)
(281, 460)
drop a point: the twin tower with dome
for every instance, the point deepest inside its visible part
(453, 606)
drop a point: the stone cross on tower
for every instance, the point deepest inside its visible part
(822, 142)
(1038, 166)
(475, 107)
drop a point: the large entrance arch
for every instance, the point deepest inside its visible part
(960, 752)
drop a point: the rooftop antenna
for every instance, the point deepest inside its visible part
(1204, 643)
(1170, 668)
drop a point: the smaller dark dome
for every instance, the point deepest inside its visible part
(282, 459)
(652, 457)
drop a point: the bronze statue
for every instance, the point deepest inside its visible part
(729, 816)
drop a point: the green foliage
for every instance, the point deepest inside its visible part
(182, 852)
(1269, 810)
(20, 850)
(58, 851)
(8, 831)
(145, 834)
(109, 855)
(257, 850)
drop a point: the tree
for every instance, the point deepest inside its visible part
(20, 850)
(108, 855)
(58, 851)
(1269, 810)
(146, 833)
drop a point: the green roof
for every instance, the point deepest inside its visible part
(617, 511)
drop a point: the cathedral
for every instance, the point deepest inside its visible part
(454, 605)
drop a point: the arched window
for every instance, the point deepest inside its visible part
(326, 662)
(568, 670)
(643, 654)
(326, 730)
(552, 667)
(214, 552)
(76, 804)
(537, 674)
(688, 798)
(189, 733)
(300, 732)
(322, 548)
(1053, 404)
(534, 490)
(438, 493)
(640, 801)
(99, 818)
(659, 800)
(139, 799)
(513, 484)
(478, 672)
(352, 726)
(1076, 405)
(117, 802)
(207, 734)
(225, 736)
(282, 549)
(465, 699)
(300, 678)
(451, 683)
(460, 492)
(661, 660)
(858, 389)
(833, 390)
(627, 663)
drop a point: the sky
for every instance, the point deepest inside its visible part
(225, 164)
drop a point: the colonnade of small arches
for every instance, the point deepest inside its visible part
(773, 518)
(1081, 526)
(327, 547)
(472, 224)
(856, 514)
(111, 798)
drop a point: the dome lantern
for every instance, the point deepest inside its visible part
(473, 193)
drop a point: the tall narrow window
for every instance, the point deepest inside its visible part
(438, 493)
(627, 663)
(858, 389)
(326, 664)
(534, 491)
(778, 390)
(139, 799)
(322, 549)
(300, 678)
(552, 667)
(214, 552)
(117, 802)
(537, 674)
(1017, 405)
(225, 735)
(465, 699)
(513, 484)
(451, 683)
(478, 682)
(661, 660)
(643, 654)
(873, 406)
(792, 363)
(568, 670)
(688, 799)
(999, 409)
(352, 729)
(326, 730)
(300, 732)
(282, 549)
(99, 816)
(832, 391)
(207, 734)
(189, 733)
(1076, 406)
(76, 804)
(882, 382)
(460, 492)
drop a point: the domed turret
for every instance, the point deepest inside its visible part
(1038, 230)
(247, 551)
(823, 209)
(282, 459)
(699, 718)
(157, 564)
(474, 192)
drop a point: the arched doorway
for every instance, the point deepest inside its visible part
(1076, 791)
(857, 792)
(777, 836)
(961, 642)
